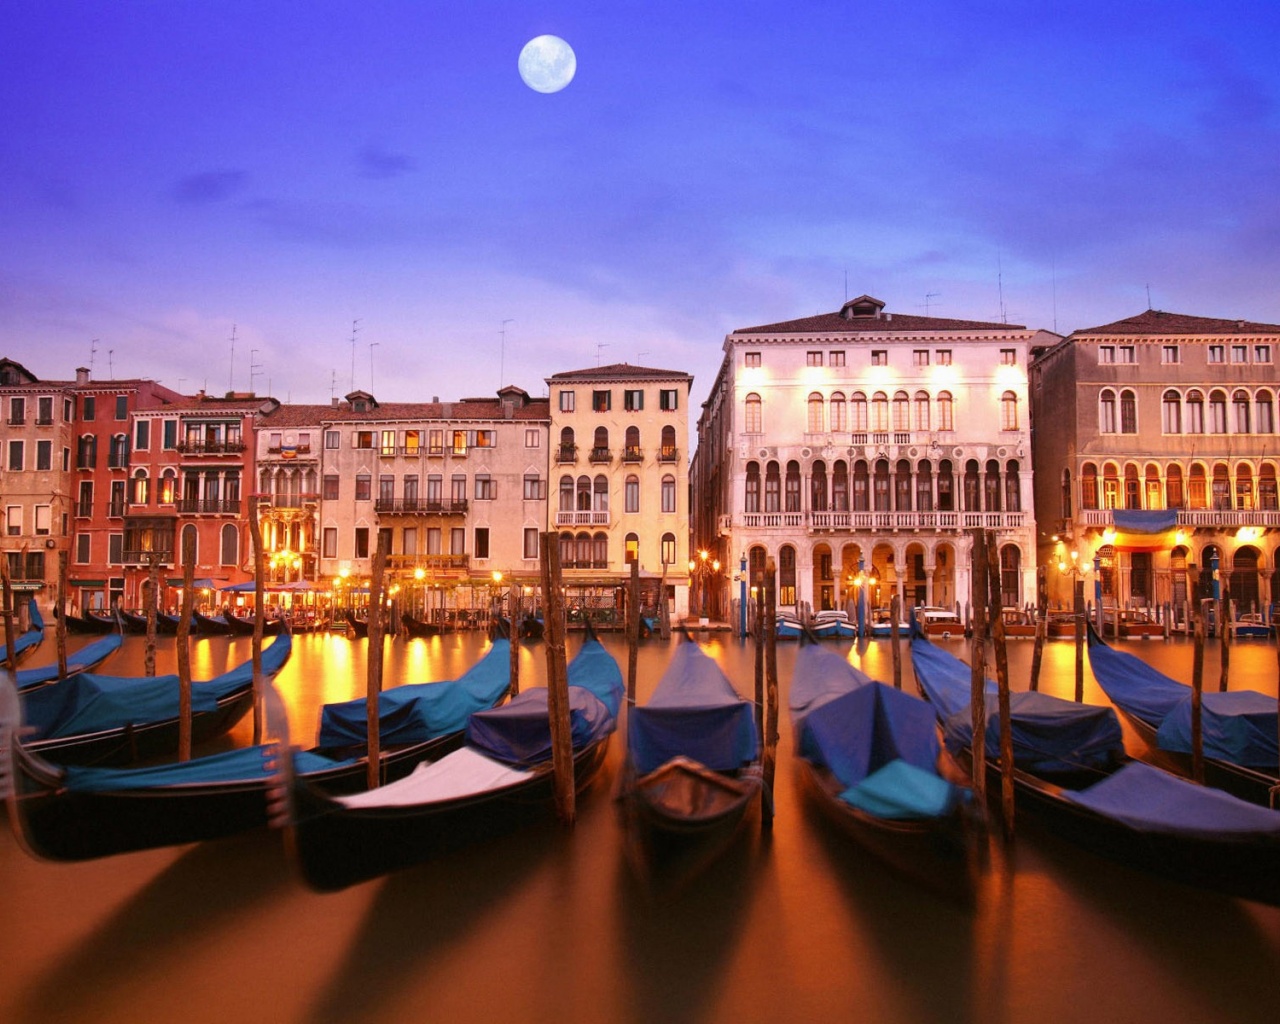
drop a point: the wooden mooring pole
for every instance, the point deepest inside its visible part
(1002, 692)
(183, 646)
(62, 615)
(633, 630)
(895, 640)
(977, 666)
(1042, 626)
(1197, 689)
(373, 663)
(557, 680)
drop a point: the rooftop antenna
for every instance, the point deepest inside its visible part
(1004, 318)
(927, 297)
(354, 330)
(502, 351)
(231, 377)
(111, 366)
(600, 346)
(254, 367)
(1148, 296)
(93, 348)
(333, 384)
(372, 346)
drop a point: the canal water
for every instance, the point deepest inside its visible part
(551, 925)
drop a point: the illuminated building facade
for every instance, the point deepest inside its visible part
(1161, 412)
(856, 448)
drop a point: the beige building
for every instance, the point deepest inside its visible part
(1159, 413)
(858, 447)
(619, 471)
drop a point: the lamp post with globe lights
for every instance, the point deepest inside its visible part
(704, 569)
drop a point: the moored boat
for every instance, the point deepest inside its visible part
(86, 659)
(25, 645)
(941, 623)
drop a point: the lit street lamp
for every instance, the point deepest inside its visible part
(703, 569)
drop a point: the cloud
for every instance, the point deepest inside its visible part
(379, 163)
(209, 187)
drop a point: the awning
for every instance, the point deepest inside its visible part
(204, 583)
(1145, 530)
(87, 583)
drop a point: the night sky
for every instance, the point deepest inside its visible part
(171, 169)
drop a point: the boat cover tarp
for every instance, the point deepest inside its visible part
(1049, 734)
(462, 773)
(89, 703)
(88, 657)
(1131, 684)
(37, 619)
(900, 791)
(417, 712)
(247, 764)
(694, 712)
(820, 675)
(27, 640)
(1150, 800)
(593, 668)
(1238, 726)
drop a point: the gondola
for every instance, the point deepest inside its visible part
(103, 621)
(133, 623)
(499, 780)
(871, 761)
(210, 625)
(84, 625)
(415, 627)
(243, 626)
(75, 813)
(359, 628)
(86, 659)
(1071, 775)
(532, 627)
(692, 774)
(1238, 727)
(92, 719)
(24, 646)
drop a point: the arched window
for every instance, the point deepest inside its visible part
(667, 451)
(168, 487)
(1195, 412)
(818, 487)
(787, 575)
(1151, 488)
(631, 548)
(858, 412)
(924, 486)
(600, 551)
(631, 452)
(600, 494)
(1107, 411)
(1128, 412)
(772, 488)
(992, 483)
(880, 492)
(584, 494)
(668, 493)
(230, 544)
(1012, 487)
(901, 411)
(582, 550)
(840, 486)
(1132, 492)
(600, 444)
(1008, 411)
(668, 549)
(566, 551)
(922, 410)
(1244, 486)
(1264, 422)
(972, 487)
(1110, 486)
(752, 420)
(902, 486)
(1240, 411)
(1088, 486)
(880, 411)
(566, 494)
(1221, 486)
(946, 487)
(839, 421)
(861, 487)
(751, 497)
(1217, 412)
(1171, 413)
(1173, 495)
(141, 486)
(815, 413)
(568, 448)
(631, 494)
(1197, 488)
(793, 487)
(945, 421)
(1268, 499)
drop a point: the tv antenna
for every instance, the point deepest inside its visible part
(111, 366)
(93, 349)
(600, 346)
(927, 303)
(254, 367)
(1004, 317)
(333, 384)
(354, 330)
(231, 376)
(502, 350)
(372, 346)
(1148, 296)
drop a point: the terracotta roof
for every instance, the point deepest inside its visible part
(620, 371)
(463, 409)
(1157, 321)
(894, 323)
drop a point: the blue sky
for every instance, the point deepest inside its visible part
(171, 169)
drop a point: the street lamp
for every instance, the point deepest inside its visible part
(703, 569)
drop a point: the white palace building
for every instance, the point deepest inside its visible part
(856, 448)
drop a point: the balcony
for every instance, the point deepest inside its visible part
(210, 447)
(632, 453)
(279, 449)
(884, 521)
(434, 566)
(600, 455)
(209, 506)
(287, 500)
(84, 509)
(585, 518)
(567, 453)
(1205, 518)
(584, 564)
(668, 453)
(420, 507)
(115, 509)
(142, 556)
(44, 421)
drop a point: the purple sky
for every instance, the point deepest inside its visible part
(173, 168)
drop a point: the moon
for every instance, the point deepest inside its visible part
(547, 64)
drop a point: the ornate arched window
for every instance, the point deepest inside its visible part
(752, 418)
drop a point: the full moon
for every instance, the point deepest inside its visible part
(547, 64)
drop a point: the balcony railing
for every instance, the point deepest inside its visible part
(115, 509)
(420, 507)
(1211, 518)
(600, 455)
(297, 449)
(886, 520)
(287, 500)
(584, 564)
(585, 518)
(632, 453)
(84, 509)
(209, 506)
(567, 453)
(668, 453)
(138, 556)
(450, 565)
(210, 447)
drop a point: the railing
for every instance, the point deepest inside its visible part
(210, 447)
(586, 564)
(84, 509)
(668, 453)
(44, 421)
(287, 500)
(600, 455)
(137, 556)
(216, 506)
(881, 520)
(16, 421)
(451, 564)
(300, 449)
(567, 453)
(585, 518)
(421, 507)
(118, 460)
(1225, 518)
(115, 509)
(632, 453)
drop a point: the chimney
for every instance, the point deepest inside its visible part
(334, 402)
(82, 375)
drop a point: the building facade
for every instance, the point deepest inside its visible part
(1160, 412)
(619, 467)
(856, 448)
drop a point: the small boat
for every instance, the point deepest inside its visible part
(86, 659)
(414, 626)
(133, 623)
(1252, 626)
(871, 760)
(788, 627)
(882, 626)
(1072, 775)
(243, 625)
(941, 623)
(499, 780)
(1062, 626)
(86, 624)
(357, 628)
(210, 625)
(833, 625)
(24, 646)
(1018, 624)
(69, 813)
(1238, 727)
(1134, 625)
(692, 774)
(533, 628)
(117, 720)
